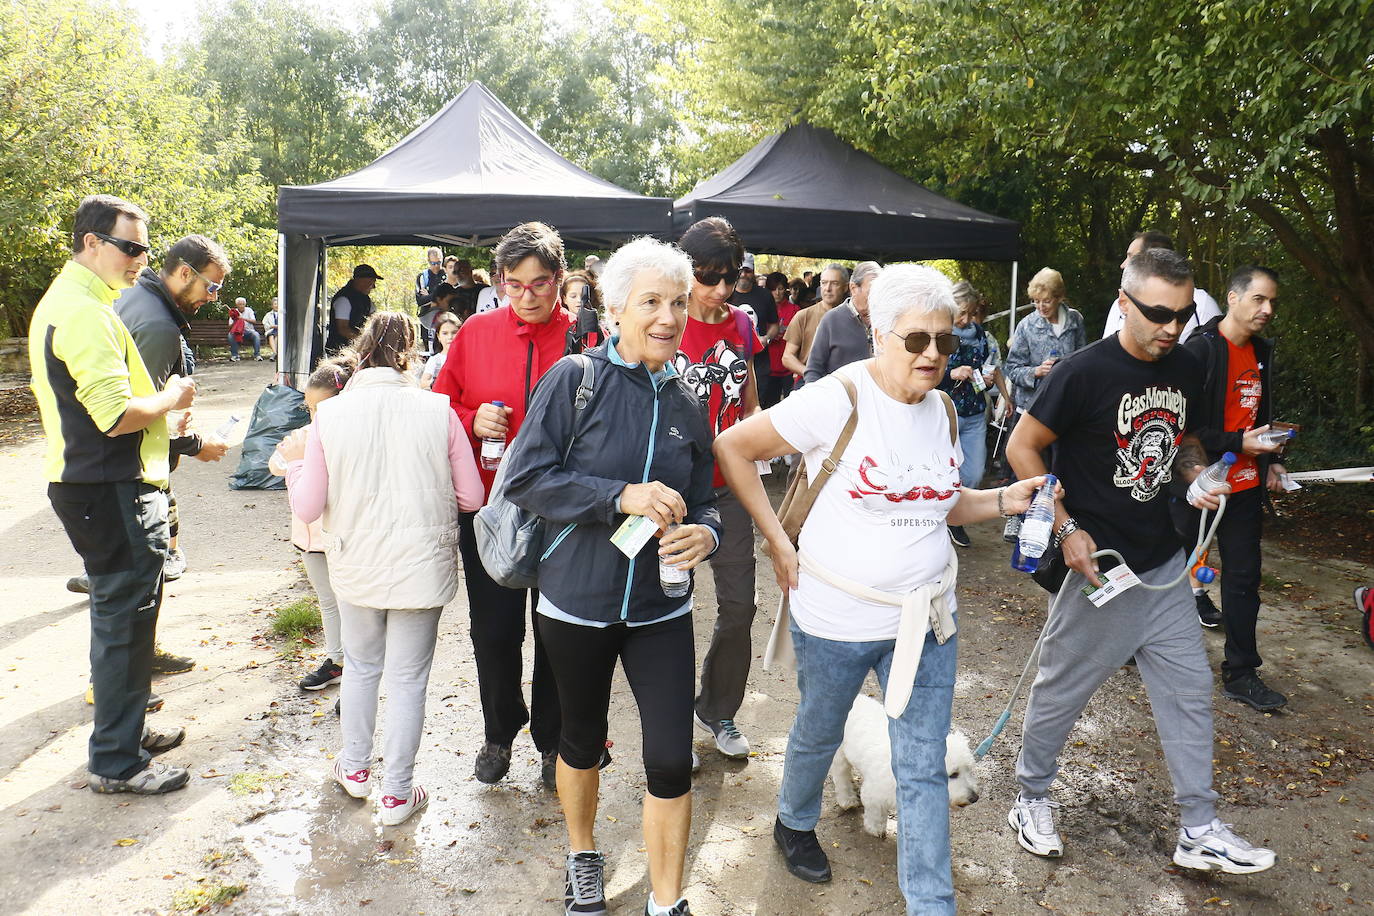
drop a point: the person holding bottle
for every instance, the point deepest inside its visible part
(640, 447)
(489, 376)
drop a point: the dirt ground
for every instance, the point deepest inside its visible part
(261, 812)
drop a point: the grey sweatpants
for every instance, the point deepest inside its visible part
(1085, 645)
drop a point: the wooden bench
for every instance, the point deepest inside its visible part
(207, 333)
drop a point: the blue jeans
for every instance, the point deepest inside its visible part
(830, 675)
(973, 439)
(249, 336)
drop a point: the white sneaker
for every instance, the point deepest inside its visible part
(174, 566)
(1033, 821)
(696, 762)
(357, 783)
(729, 741)
(1218, 848)
(398, 810)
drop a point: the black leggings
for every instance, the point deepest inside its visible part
(660, 664)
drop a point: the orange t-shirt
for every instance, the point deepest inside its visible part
(1243, 390)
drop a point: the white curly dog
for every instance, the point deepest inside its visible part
(867, 751)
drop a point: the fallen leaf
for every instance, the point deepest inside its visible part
(125, 841)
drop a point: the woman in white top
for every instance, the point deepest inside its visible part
(874, 547)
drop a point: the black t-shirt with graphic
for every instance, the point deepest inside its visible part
(1120, 421)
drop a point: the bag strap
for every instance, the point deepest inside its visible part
(745, 328)
(832, 461)
(581, 398)
(953, 417)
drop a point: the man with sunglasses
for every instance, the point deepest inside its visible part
(1207, 307)
(107, 465)
(1122, 415)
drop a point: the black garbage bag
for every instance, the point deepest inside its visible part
(280, 409)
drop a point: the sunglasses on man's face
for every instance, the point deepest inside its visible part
(131, 248)
(917, 341)
(714, 277)
(1158, 314)
(210, 287)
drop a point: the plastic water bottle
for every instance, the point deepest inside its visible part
(673, 579)
(1036, 529)
(227, 427)
(1213, 477)
(1276, 437)
(493, 450)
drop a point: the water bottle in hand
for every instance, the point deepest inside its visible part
(1273, 437)
(1211, 478)
(1036, 529)
(673, 579)
(225, 428)
(493, 450)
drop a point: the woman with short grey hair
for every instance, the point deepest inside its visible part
(870, 583)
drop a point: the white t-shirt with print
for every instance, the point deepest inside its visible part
(880, 519)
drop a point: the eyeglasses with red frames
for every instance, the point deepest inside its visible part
(514, 289)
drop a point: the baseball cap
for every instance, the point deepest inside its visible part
(366, 272)
(748, 262)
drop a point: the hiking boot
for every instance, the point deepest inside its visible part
(803, 853)
(584, 885)
(398, 810)
(80, 584)
(679, 909)
(729, 741)
(154, 779)
(174, 566)
(154, 701)
(1207, 613)
(357, 783)
(493, 762)
(1033, 821)
(167, 663)
(548, 770)
(1249, 689)
(156, 741)
(1216, 847)
(959, 536)
(328, 673)
(1364, 603)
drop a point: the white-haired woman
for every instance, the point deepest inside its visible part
(875, 560)
(641, 447)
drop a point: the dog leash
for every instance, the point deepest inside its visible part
(1205, 536)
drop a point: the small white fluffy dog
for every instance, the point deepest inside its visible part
(866, 748)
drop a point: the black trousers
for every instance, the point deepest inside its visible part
(497, 626)
(120, 532)
(773, 388)
(660, 665)
(1238, 541)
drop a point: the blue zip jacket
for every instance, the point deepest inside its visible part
(634, 430)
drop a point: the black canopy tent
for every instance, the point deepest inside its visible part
(463, 177)
(806, 192)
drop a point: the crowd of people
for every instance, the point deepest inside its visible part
(661, 385)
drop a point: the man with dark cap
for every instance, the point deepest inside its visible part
(350, 308)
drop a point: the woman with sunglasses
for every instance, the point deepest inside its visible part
(495, 361)
(874, 553)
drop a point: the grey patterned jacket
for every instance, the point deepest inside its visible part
(1032, 344)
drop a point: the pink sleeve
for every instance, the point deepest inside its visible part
(467, 484)
(307, 480)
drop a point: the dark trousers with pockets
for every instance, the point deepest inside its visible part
(120, 532)
(1238, 542)
(497, 627)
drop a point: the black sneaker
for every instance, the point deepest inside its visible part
(328, 673)
(679, 909)
(959, 536)
(1207, 613)
(584, 890)
(548, 770)
(493, 762)
(154, 779)
(803, 853)
(167, 663)
(1249, 689)
(79, 584)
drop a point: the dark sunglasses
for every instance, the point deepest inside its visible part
(210, 288)
(1158, 314)
(132, 249)
(917, 341)
(713, 277)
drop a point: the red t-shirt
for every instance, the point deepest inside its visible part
(786, 309)
(714, 363)
(1243, 390)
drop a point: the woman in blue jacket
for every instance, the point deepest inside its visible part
(640, 447)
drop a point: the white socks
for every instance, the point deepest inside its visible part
(1199, 591)
(656, 910)
(1194, 832)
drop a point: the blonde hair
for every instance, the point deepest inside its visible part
(1048, 281)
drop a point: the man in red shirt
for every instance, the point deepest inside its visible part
(1237, 407)
(716, 360)
(499, 356)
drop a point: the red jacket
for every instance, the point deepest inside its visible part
(498, 357)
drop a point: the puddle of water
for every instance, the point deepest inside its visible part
(303, 853)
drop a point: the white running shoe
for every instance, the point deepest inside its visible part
(357, 783)
(398, 810)
(1033, 821)
(729, 741)
(1219, 848)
